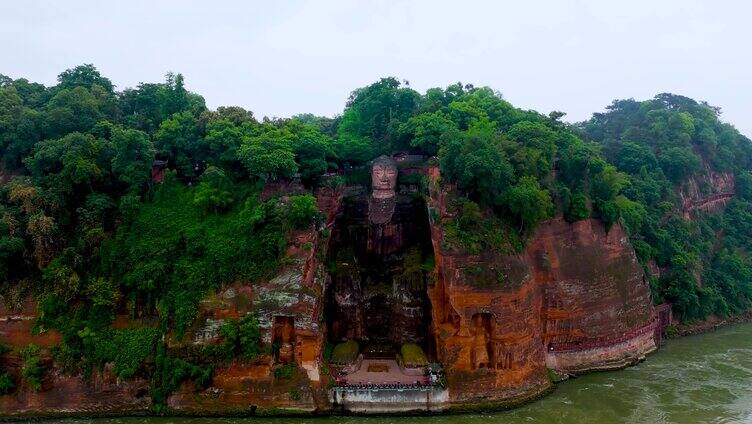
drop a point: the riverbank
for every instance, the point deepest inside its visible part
(701, 378)
(712, 323)
(685, 335)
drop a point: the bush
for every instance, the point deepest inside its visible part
(346, 352)
(215, 191)
(578, 208)
(241, 338)
(172, 254)
(672, 331)
(6, 383)
(553, 376)
(285, 372)
(67, 358)
(32, 371)
(171, 372)
(474, 232)
(133, 347)
(250, 337)
(128, 348)
(302, 211)
(413, 355)
(334, 181)
(328, 349)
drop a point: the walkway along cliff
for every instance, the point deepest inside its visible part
(573, 300)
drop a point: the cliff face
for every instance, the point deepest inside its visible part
(708, 193)
(60, 393)
(598, 312)
(575, 300)
(17, 323)
(102, 393)
(289, 311)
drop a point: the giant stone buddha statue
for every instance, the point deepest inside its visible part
(373, 298)
(383, 182)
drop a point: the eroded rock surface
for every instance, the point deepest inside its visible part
(708, 193)
(575, 300)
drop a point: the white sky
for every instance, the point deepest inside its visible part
(279, 58)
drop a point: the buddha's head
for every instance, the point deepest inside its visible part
(383, 177)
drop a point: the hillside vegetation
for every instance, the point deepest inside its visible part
(84, 227)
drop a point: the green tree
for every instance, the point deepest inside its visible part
(6, 383)
(178, 139)
(537, 147)
(242, 337)
(476, 163)
(75, 160)
(223, 139)
(313, 151)
(529, 202)
(86, 76)
(268, 156)
(678, 163)
(74, 109)
(744, 185)
(578, 208)
(376, 111)
(302, 211)
(134, 155)
(249, 336)
(631, 157)
(215, 190)
(19, 128)
(32, 370)
(607, 183)
(427, 131)
(11, 245)
(146, 106)
(633, 214)
(354, 149)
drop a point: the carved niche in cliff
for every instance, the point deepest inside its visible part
(482, 331)
(283, 338)
(377, 294)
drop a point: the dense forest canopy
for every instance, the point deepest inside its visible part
(663, 145)
(85, 228)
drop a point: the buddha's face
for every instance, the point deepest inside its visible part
(383, 179)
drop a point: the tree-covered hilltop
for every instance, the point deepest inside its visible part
(87, 230)
(667, 146)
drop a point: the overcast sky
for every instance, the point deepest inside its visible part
(279, 58)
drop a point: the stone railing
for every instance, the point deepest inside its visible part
(423, 383)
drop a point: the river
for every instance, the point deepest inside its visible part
(698, 379)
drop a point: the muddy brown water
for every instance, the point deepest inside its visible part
(705, 378)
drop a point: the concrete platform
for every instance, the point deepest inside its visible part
(394, 375)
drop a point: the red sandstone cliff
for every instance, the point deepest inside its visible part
(60, 393)
(598, 312)
(288, 307)
(708, 193)
(574, 300)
